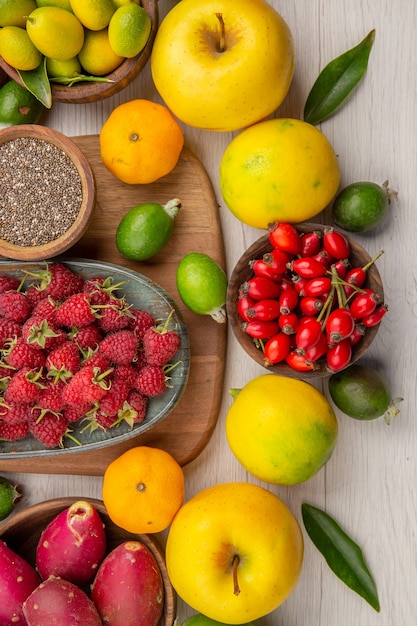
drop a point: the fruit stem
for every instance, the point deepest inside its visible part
(219, 315)
(392, 410)
(222, 40)
(235, 565)
(172, 207)
(391, 193)
(372, 261)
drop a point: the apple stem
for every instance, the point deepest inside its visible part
(235, 564)
(222, 42)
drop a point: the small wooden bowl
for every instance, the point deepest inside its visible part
(85, 92)
(22, 531)
(74, 233)
(242, 272)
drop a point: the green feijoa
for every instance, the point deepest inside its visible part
(144, 230)
(202, 285)
(361, 206)
(9, 497)
(363, 393)
(18, 105)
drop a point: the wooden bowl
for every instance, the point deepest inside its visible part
(84, 92)
(74, 233)
(242, 272)
(22, 531)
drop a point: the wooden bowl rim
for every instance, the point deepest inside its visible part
(85, 92)
(255, 250)
(50, 508)
(73, 234)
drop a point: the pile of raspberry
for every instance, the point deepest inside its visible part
(72, 349)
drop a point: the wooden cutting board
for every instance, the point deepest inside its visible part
(187, 429)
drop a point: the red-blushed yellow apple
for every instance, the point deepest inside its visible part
(234, 552)
(222, 64)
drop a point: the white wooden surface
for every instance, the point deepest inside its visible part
(369, 484)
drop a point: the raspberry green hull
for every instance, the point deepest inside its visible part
(202, 285)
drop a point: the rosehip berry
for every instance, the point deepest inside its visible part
(285, 237)
(311, 243)
(317, 351)
(299, 283)
(339, 325)
(309, 305)
(308, 334)
(307, 267)
(260, 287)
(277, 260)
(277, 348)
(260, 329)
(357, 275)
(336, 244)
(267, 309)
(260, 268)
(288, 300)
(364, 304)
(245, 303)
(357, 334)
(374, 318)
(288, 323)
(324, 258)
(317, 286)
(341, 267)
(339, 355)
(298, 362)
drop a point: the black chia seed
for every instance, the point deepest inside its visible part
(40, 192)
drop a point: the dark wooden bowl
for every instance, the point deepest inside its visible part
(75, 232)
(22, 531)
(84, 92)
(242, 272)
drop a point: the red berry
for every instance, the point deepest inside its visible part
(139, 321)
(339, 325)
(277, 348)
(288, 323)
(21, 354)
(339, 355)
(363, 304)
(317, 351)
(24, 386)
(260, 287)
(13, 432)
(375, 317)
(285, 237)
(89, 384)
(62, 362)
(299, 362)
(114, 398)
(245, 304)
(310, 305)
(49, 428)
(160, 345)
(114, 316)
(311, 243)
(260, 329)
(76, 310)
(308, 334)
(319, 286)
(9, 330)
(336, 244)
(120, 346)
(267, 309)
(151, 381)
(14, 305)
(276, 260)
(260, 268)
(139, 404)
(288, 300)
(308, 267)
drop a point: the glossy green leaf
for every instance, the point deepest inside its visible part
(78, 78)
(342, 554)
(37, 82)
(336, 81)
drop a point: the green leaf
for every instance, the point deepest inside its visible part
(37, 82)
(342, 554)
(78, 78)
(337, 80)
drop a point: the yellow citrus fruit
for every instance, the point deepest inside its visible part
(17, 49)
(279, 170)
(62, 4)
(129, 30)
(14, 12)
(97, 56)
(67, 68)
(140, 141)
(93, 14)
(120, 3)
(143, 489)
(282, 430)
(56, 33)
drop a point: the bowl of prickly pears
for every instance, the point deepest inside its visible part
(67, 552)
(305, 300)
(93, 355)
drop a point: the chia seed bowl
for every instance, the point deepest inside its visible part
(47, 193)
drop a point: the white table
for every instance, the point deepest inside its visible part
(369, 484)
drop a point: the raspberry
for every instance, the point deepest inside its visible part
(15, 413)
(9, 329)
(57, 281)
(24, 386)
(21, 354)
(14, 305)
(76, 310)
(151, 381)
(114, 398)
(96, 359)
(38, 332)
(139, 403)
(63, 361)
(160, 345)
(100, 289)
(127, 373)
(46, 309)
(86, 336)
(104, 421)
(119, 347)
(13, 432)
(140, 321)
(8, 283)
(51, 396)
(74, 412)
(114, 316)
(49, 428)
(89, 384)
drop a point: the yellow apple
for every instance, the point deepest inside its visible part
(222, 64)
(234, 552)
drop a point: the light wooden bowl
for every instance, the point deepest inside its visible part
(22, 531)
(75, 232)
(242, 272)
(85, 92)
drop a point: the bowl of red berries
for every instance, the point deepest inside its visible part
(305, 300)
(93, 354)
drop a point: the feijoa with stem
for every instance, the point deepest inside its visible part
(202, 285)
(9, 496)
(363, 393)
(361, 206)
(146, 228)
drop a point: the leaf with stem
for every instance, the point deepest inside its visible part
(37, 82)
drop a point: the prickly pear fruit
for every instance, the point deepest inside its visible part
(72, 545)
